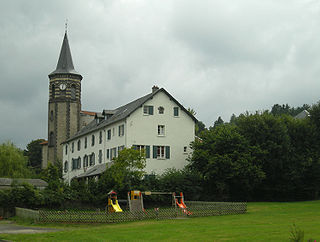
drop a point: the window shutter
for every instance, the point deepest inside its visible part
(155, 152)
(167, 152)
(151, 110)
(147, 151)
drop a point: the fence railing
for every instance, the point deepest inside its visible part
(194, 209)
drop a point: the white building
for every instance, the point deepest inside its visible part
(156, 123)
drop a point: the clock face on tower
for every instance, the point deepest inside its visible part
(62, 86)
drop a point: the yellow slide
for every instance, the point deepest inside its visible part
(116, 207)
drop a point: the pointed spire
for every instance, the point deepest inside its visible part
(65, 64)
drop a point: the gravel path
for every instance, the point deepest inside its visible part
(8, 227)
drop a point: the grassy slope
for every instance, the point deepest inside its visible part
(263, 222)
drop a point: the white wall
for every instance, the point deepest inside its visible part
(179, 132)
(115, 141)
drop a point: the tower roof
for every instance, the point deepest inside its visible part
(65, 64)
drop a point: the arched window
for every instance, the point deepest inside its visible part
(92, 140)
(100, 156)
(92, 159)
(85, 161)
(73, 92)
(53, 91)
(79, 145)
(51, 139)
(65, 168)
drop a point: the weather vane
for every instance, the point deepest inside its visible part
(66, 25)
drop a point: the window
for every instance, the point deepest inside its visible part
(85, 161)
(100, 137)
(120, 148)
(53, 91)
(113, 132)
(161, 130)
(113, 152)
(100, 156)
(185, 149)
(147, 110)
(109, 134)
(161, 110)
(85, 142)
(176, 111)
(121, 130)
(144, 149)
(79, 162)
(108, 154)
(73, 92)
(79, 145)
(51, 115)
(65, 168)
(92, 140)
(51, 139)
(161, 152)
(66, 149)
(72, 147)
(92, 159)
(76, 163)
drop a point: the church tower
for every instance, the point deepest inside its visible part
(64, 103)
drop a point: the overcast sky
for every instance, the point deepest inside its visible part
(218, 57)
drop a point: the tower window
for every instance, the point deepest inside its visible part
(51, 139)
(73, 92)
(51, 115)
(53, 91)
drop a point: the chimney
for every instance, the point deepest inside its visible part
(155, 88)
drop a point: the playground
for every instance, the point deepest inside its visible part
(135, 210)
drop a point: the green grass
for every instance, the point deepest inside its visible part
(263, 222)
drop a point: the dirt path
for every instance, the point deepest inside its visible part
(8, 227)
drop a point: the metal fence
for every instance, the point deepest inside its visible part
(194, 209)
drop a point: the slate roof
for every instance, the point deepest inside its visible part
(65, 63)
(34, 182)
(96, 170)
(122, 112)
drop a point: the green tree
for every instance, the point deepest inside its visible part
(125, 173)
(34, 154)
(228, 164)
(12, 162)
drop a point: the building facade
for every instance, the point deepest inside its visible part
(86, 142)
(156, 124)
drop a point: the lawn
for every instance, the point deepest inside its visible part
(262, 222)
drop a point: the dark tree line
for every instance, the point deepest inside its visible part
(263, 156)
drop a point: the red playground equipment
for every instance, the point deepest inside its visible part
(181, 205)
